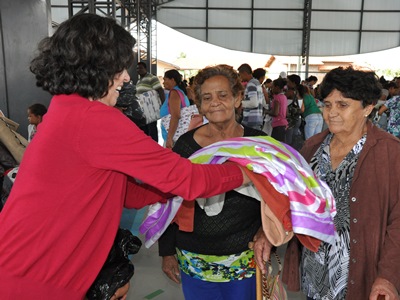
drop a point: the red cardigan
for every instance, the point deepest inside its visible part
(64, 209)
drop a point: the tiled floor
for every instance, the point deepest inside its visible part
(150, 283)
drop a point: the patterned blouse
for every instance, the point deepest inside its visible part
(324, 274)
(393, 126)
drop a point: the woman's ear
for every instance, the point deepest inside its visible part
(368, 109)
(238, 100)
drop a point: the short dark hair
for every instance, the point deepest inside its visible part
(38, 109)
(295, 79)
(83, 56)
(245, 68)
(312, 78)
(143, 64)
(355, 84)
(390, 84)
(258, 73)
(279, 82)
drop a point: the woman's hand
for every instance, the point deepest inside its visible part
(262, 249)
(121, 293)
(169, 143)
(171, 268)
(383, 289)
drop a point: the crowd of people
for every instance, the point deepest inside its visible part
(88, 161)
(343, 155)
(387, 114)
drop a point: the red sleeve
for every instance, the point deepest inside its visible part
(119, 145)
(139, 195)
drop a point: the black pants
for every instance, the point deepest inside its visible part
(279, 133)
(151, 130)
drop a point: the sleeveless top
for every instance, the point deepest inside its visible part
(164, 109)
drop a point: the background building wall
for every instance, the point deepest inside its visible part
(22, 25)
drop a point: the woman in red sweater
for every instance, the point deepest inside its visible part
(84, 166)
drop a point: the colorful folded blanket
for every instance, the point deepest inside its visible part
(312, 204)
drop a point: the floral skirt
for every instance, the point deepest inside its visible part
(217, 268)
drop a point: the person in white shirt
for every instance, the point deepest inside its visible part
(35, 116)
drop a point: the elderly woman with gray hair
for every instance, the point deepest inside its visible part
(361, 165)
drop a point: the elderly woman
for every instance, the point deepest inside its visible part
(175, 100)
(361, 165)
(218, 243)
(61, 218)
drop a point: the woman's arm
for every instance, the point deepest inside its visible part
(275, 110)
(382, 109)
(252, 101)
(266, 96)
(139, 195)
(175, 111)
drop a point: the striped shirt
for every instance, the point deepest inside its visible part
(253, 114)
(147, 83)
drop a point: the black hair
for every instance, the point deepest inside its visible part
(301, 89)
(312, 78)
(295, 79)
(279, 82)
(38, 109)
(143, 64)
(390, 84)
(355, 84)
(382, 80)
(175, 75)
(83, 56)
(245, 68)
(258, 73)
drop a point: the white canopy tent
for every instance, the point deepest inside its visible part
(288, 27)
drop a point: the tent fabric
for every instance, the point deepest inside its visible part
(276, 27)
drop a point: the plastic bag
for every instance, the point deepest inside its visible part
(7, 161)
(129, 103)
(118, 268)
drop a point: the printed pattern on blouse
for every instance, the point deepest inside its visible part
(325, 273)
(221, 268)
(393, 125)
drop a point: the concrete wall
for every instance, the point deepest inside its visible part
(22, 25)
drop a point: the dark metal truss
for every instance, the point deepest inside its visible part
(137, 16)
(305, 49)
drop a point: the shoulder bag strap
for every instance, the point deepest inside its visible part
(183, 104)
